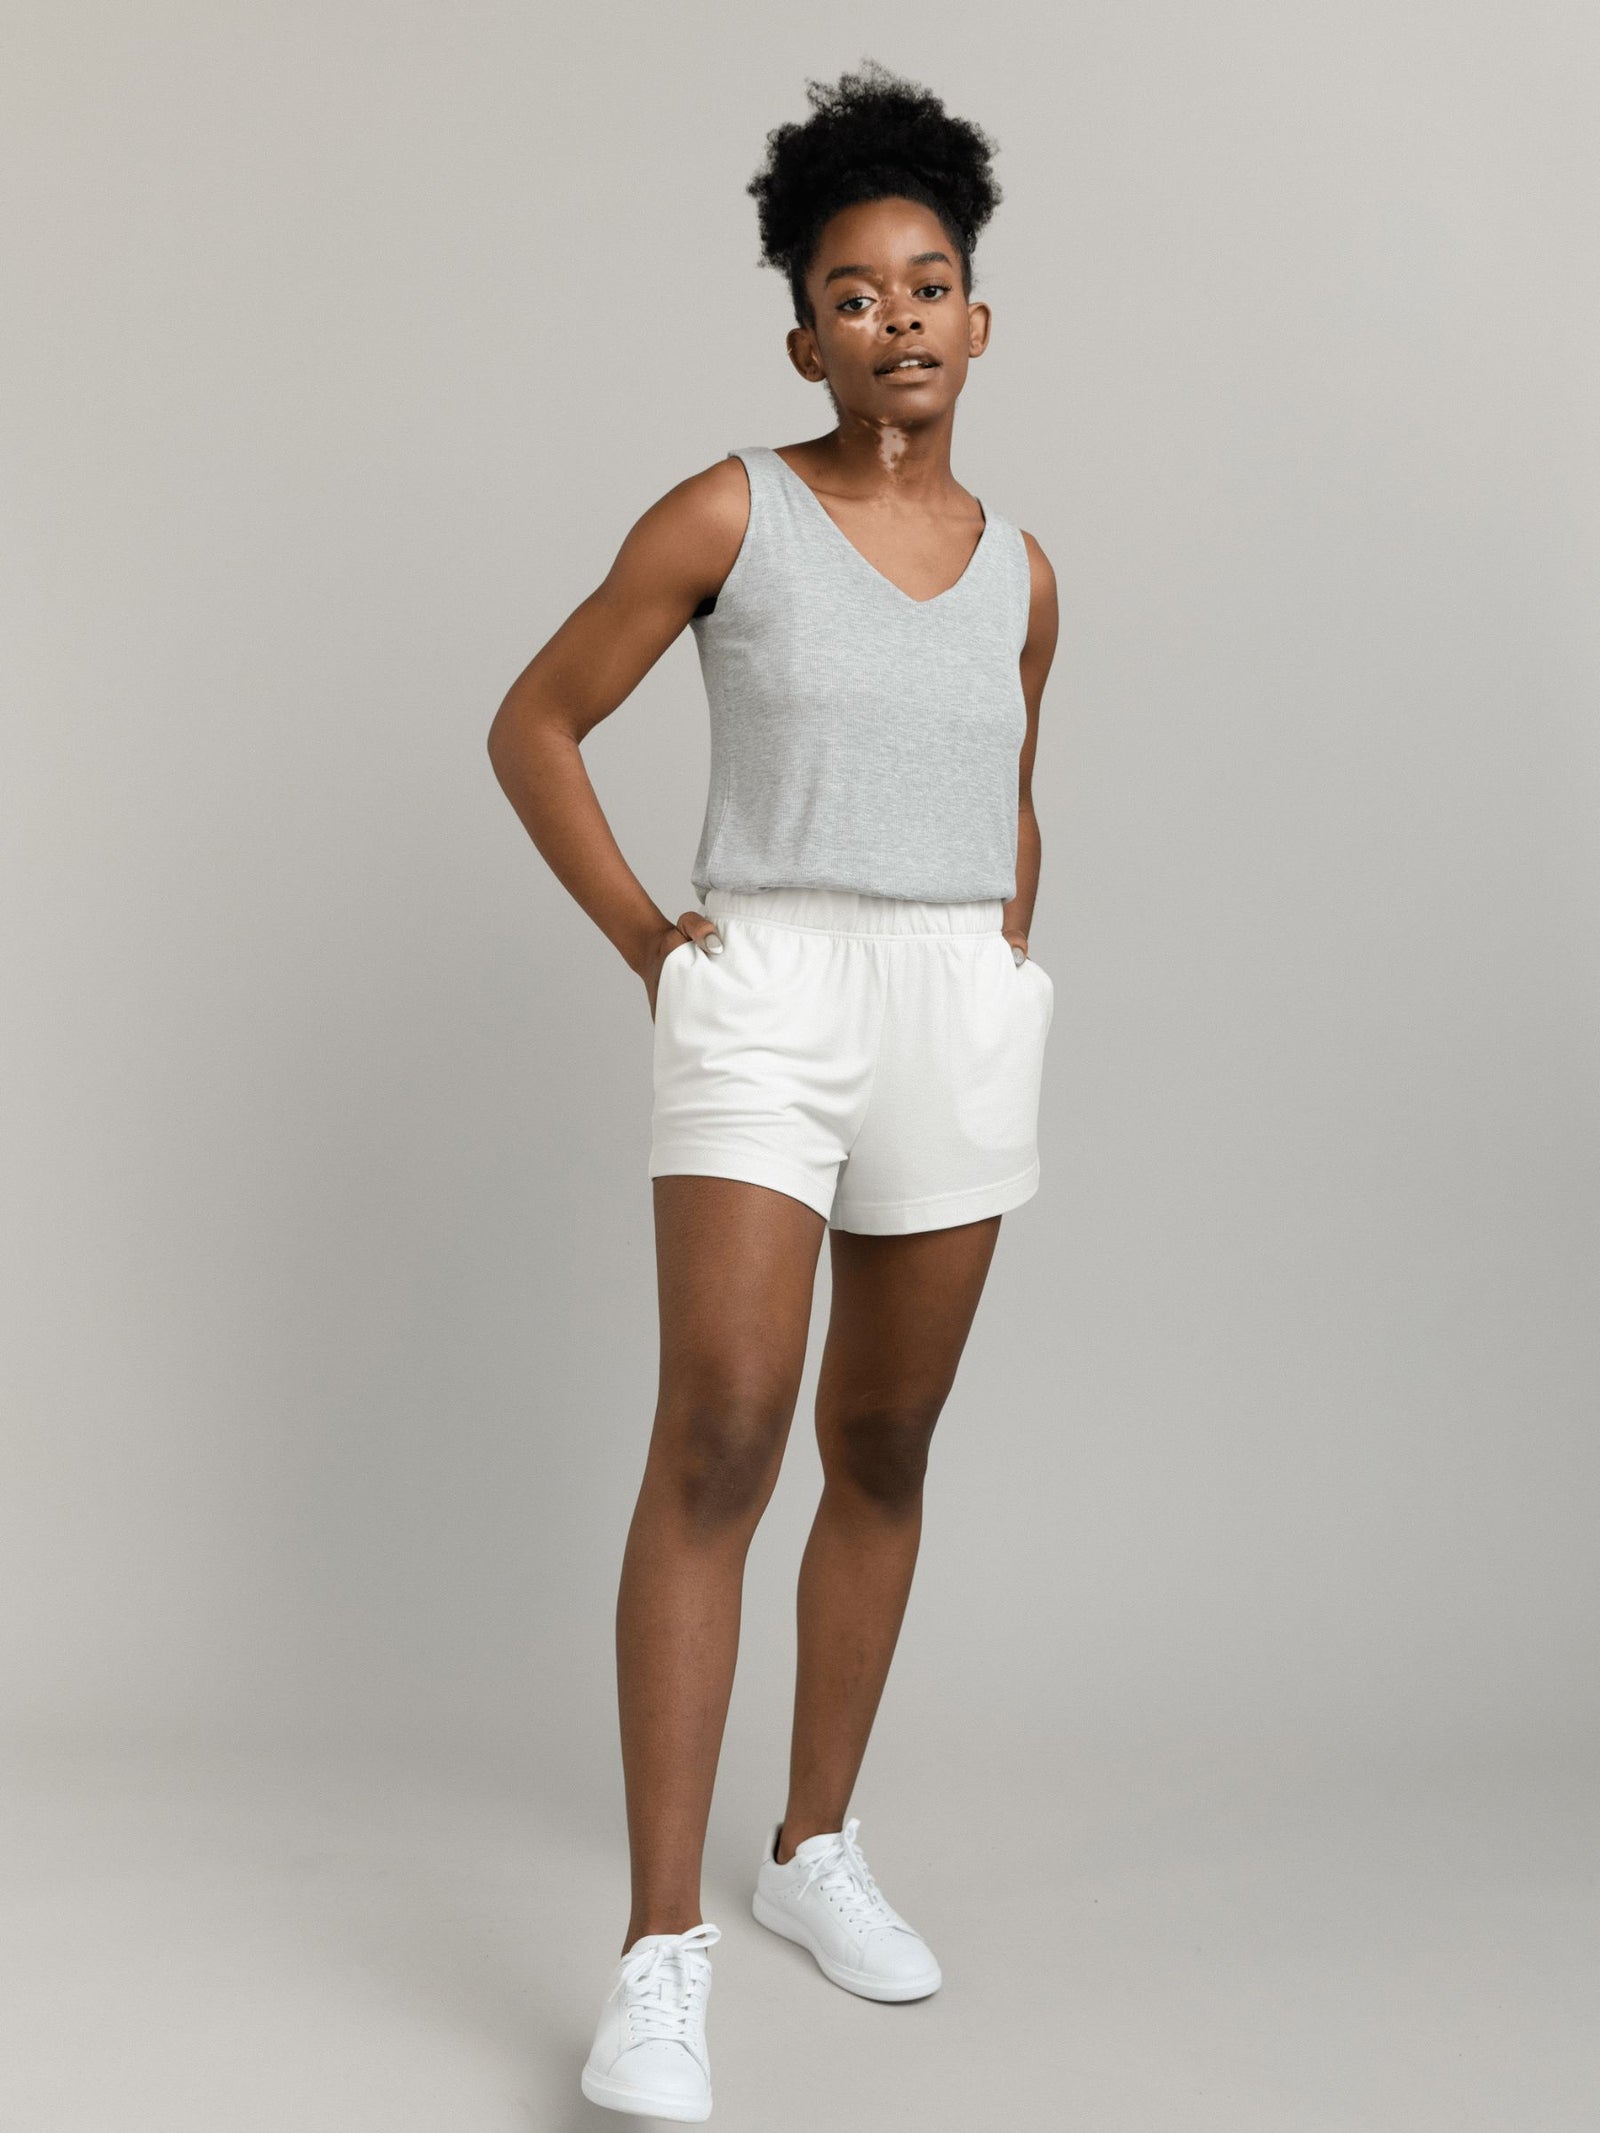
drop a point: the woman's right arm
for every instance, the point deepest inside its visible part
(677, 555)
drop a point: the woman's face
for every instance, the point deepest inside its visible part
(885, 285)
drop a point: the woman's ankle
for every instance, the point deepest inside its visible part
(664, 1922)
(793, 1831)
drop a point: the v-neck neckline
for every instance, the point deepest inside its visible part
(866, 562)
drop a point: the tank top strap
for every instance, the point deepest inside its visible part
(779, 510)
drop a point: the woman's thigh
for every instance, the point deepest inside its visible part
(901, 1312)
(736, 1270)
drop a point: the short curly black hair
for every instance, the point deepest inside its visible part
(872, 136)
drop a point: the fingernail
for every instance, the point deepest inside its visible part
(712, 944)
(1018, 957)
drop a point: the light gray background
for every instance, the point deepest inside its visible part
(1240, 1753)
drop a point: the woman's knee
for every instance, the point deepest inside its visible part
(718, 1453)
(880, 1452)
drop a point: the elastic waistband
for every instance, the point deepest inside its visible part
(853, 911)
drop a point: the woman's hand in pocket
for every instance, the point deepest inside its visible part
(694, 927)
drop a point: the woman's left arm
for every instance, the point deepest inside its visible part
(1037, 653)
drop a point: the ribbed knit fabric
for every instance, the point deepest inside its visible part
(860, 739)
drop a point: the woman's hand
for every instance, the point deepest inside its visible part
(693, 926)
(1019, 946)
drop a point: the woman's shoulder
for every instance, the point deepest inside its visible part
(710, 505)
(689, 537)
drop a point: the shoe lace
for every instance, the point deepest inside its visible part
(844, 1875)
(662, 1982)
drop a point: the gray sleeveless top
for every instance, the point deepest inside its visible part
(860, 739)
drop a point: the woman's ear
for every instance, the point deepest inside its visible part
(802, 346)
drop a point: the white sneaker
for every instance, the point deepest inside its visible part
(649, 2051)
(826, 1899)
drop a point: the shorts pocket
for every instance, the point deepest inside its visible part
(1048, 994)
(1028, 963)
(672, 956)
(1041, 984)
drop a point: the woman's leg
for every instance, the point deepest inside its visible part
(902, 1309)
(735, 1273)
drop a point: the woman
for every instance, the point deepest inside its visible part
(848, 1033)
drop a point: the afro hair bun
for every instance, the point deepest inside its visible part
(871, 136)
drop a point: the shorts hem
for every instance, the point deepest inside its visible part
(939, 1210)
(778, 1176)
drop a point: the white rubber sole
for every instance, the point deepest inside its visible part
(857, 1981)
(620, 2096)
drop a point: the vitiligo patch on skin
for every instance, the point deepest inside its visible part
(893, 444)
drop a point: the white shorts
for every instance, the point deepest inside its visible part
(878, 1058)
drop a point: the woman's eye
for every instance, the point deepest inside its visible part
(928, 289)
